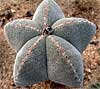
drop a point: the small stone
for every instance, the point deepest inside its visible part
(13, 84)
(94, 42)
(88, 70)
(13, 11)
(2, 22)
(29, 14)
(18, 8)
(8, 14)
(98, 62)
(76, 1)
(14, 4)
(98, 51)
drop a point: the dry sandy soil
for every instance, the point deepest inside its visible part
(89, 9)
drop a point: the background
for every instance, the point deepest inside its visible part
(13, 9)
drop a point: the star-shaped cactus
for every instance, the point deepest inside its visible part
(49, 46)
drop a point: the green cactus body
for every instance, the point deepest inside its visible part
(33, 49)
(62, 60)
(20, 31)
(49, 46)
(77, 31)
(47, 13)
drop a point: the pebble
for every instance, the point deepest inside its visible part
(13, 11)
(2, 22)
(88, 70)
(98, 51)
(96, 42)
(29, 14)
(8, 14)
(98, 62)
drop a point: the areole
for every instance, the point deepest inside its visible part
(47, 30)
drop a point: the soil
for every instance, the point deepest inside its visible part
(14, 9)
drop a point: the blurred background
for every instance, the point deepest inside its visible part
(14, 9)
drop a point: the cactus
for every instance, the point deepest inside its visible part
(49, 46)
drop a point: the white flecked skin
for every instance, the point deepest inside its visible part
(77, 31)
(65, 65)
(43, 56)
